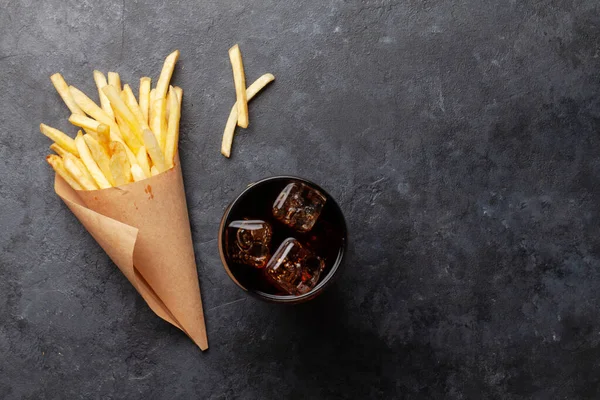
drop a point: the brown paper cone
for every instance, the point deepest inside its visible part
(144, 228)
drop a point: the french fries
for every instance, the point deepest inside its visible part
(100, 80)
(127, 139)
(60, 138)
(229, 132)
(144, 97)
(119, 164)
(165, 75)
(239, 79)
(63, 90)
(115, 81)
(57, 163)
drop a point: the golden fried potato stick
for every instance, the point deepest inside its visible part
(103, 137)
(57, 163)
(63, 90)
(138, 174)
(153, 149)
(131, 102)
(78, 175)
(142, 159)
(179, 92)
(165, 75)
(90, 164)
(154, 171)
(229, 132)
(100, 80)
(144, 97)
(59, 137)
(172, 138)
(159, 110)
(239, 80)
(128, 136)
(115, 81)
(119, 164)
(84, 122)
(121, 110)
(100, 155)
(151, 105)
(92, 109)
(58, 150)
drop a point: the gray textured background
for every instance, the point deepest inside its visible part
(460, 138)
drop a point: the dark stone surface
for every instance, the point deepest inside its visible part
(460, 138)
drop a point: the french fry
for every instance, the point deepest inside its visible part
(239, 80)
(229, 132)
(129, 137)
(154, 171)
(142, 159)
(134, 107)
(165, 75)
(144, 97)
(153, 149)
(159, 109)
(84, 122)
(120, 167)
(121, 110)
(103, 136)
(100, 80)
(172, 138)
(92, 109)
(179, 92)
(88, 160)
(57, 164)
(63, 90)
(137, 173)
(59, 137)
(78, 175)
(115, 81)
(58, 150)
(100, 155)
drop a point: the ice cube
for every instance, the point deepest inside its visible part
(248, 242)
(299, 206)
(293, 268)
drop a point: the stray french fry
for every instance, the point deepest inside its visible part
(119, 164)
(100, 156)
(115, 81)
(92, 109)
(78, 175)
(165, 75)
(239, 80)
(63, 90)
(121, 110)
(229, 132)
(172, 129)
(144, 97)
(142, 159)
(159, 109)
(59, 137)
(88, 160)
(58, 150)
(100, 80)
(84, 122)
(57, 163)
(153, 149)
(154, 171)
(134, 107)
(138, 174)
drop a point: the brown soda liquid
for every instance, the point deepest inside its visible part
(325, 239)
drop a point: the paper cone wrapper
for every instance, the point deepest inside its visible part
(144, 228)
